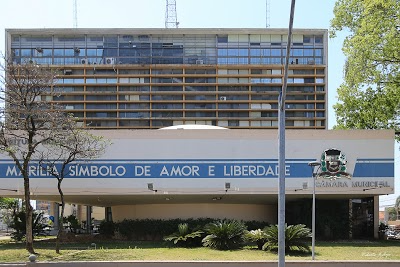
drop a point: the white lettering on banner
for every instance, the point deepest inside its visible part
(12, 171)
(142, 171)
(180, 171)
(33, 171)
(254, 170)
(94, 171)
(211, 170)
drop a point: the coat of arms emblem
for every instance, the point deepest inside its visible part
(333, 164)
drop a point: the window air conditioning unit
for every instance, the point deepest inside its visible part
(109, 60)
(199, 62)
(311, 62)
(67, 72)
(222, 98)
(84, 61)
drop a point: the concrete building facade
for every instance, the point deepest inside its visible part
(125, 83)
(154, 78)
(164, 174)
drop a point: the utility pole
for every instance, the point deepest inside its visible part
(75, 14)
(282, 148)
(267, 13)
(171, 20)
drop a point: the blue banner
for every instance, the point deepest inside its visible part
(295, 168)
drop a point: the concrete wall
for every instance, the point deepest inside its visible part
(246, 212)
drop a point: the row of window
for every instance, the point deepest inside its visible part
(221, 99)
(200, 106)
(188, 71)
(170, 51)
(173, 60)
(166, 39)
(224, 123)
(198, 114)
(89, 81)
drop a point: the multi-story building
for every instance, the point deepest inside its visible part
(152, 78)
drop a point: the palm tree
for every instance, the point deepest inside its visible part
(296, 238)
(183, 235)
(225, 235)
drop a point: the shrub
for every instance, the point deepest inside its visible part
(296, 238)
(144, 229)
(225, 235)
(19, 225)
(107, 228)
(73, 223)
(184, 236)
(258, 236)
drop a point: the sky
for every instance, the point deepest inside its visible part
(190, 14)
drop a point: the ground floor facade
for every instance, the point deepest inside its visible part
(197, 173)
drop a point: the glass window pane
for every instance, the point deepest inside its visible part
(318, 52)
(255, 52)
(91, 52)
(26, 52)
(243, 52)
(308, 52)
(69, 52)
(232, 52)
(276, 52)
(58, 52)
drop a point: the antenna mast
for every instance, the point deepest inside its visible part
(75, 14)
(267, 12)
(171, 20)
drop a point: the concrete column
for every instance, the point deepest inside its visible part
(351, 218)
(107, 214)
(376, 217)
(56, 214)
(88, 219)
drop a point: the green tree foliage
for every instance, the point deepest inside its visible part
(8, 207)
(296, 238)
(225, 235)
(397, 207)
(369, 97)
(19, 225)
(184, 236)
(392, 213)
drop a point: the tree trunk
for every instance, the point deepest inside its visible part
(60, 221)
(29, 217)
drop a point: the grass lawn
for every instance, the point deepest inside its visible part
(158, 251)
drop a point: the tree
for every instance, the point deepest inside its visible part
(392, 213)
(58, 155)
(27, 122)
(397, 207)
(369, 97)
(9, 207)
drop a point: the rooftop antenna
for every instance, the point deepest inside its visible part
(75, 14)
(267, 12)
(171, 20)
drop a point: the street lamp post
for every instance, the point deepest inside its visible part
(313, 164)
